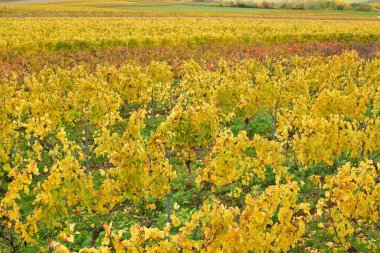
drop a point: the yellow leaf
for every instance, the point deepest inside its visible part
(70, 238)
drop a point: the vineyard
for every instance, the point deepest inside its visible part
(144, 130)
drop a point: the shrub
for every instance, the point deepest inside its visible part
(361, 7)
